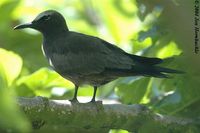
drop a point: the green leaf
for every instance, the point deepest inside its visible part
(11, 119)
(132, 92)
(11, 63)
(118, 131)
(42, 81)
(170, 50)
(184, 89)
(116, 22)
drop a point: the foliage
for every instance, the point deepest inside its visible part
(8, 120)
(150, 28)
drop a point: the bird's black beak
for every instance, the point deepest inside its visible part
(22, 26)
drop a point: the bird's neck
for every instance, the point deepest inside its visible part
(54, 33)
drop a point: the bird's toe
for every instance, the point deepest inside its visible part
(74, 100)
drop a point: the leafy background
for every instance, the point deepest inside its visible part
(151, 28)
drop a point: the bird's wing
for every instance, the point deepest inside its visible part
(145, 60)
(135, 58)
(87, 55)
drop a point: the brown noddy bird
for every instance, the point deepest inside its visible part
(85, 59)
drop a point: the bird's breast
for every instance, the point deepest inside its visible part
(47, 52)
(43, 50)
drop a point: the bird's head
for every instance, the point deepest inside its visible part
(47, 21)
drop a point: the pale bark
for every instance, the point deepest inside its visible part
(63, 116)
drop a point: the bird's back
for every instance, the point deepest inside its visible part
(75, 55)
(85, 59)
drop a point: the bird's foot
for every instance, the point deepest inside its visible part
(95, 102)
(74, 100)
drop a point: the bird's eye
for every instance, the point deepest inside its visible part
(45, 18)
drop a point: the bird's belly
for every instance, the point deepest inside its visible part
(73, 74)
(92, 79)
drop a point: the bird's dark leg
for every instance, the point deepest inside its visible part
(74, 99)
(94, 94)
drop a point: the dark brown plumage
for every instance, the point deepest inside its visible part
(85, 59)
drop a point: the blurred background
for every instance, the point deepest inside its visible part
(152, 28)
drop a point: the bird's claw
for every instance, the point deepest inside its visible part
(92, 101)
(74, 100)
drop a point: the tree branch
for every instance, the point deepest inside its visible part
(61, 116)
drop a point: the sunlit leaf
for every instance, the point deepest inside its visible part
(42, 81)
(139, 46)
(119, 26)
(170, 50)
(12, 64)
(11, 119)
(118, 131)
(132, 92)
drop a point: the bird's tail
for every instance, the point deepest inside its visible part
(161, 72)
